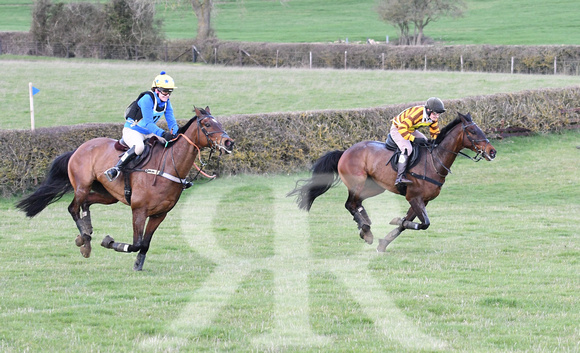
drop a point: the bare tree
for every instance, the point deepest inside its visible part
(396, 12)
(203, 10)
(426, 11)
(402, 13)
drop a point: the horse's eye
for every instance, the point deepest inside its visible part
(207, 124)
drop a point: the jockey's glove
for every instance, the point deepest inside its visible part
(420, 141)
(168, 136)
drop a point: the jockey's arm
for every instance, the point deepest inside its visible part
(148, 122)
(170, 119)
(404, 124)
(434, 130)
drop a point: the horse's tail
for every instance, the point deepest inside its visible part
(52, 188)
(324, 176)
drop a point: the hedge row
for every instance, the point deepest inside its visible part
(481, 58)
(290, 142)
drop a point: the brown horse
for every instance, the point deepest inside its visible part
(151, 191)
(364, 169)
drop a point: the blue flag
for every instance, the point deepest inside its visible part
(35, 90)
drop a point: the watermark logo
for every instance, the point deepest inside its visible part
(291, 326)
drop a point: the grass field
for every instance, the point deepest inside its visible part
(237, 268)
(87, 91)
(523, 22)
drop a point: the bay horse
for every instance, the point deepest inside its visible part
(364, 169)
(151, 191)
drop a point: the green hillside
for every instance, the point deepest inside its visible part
(527, 22)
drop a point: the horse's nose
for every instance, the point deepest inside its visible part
(229, 144)
(492, 153)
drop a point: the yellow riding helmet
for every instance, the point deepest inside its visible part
(163, 80)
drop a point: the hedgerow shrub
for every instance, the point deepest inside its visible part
(83, 29)
(290, 142)
(478, 58)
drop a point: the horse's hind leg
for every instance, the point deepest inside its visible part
(354, 206)
(83, 202)
(83, 223)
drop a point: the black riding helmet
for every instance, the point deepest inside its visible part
(435, 104)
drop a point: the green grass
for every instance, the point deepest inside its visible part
(236, 267)
(524, 22)
(88, 91)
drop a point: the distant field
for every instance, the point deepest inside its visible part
(83, 91)
(525, 22)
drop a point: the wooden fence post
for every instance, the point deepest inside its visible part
(383, 60)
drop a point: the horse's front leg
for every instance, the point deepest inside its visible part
(400, 222)
(152, 224)
(420, 209)
(139, 219)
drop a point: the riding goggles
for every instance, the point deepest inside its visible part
(164, 91)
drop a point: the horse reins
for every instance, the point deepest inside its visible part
(212, 144)
(476, 158)
(199, 170)
(480, 151)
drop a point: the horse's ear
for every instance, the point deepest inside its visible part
(197, 112)
(464, 117)
(207, 109)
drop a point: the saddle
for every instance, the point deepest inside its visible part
(413, 158)
(121, 146)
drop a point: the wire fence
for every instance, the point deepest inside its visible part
(291, 58)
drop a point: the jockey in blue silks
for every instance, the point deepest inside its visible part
(141, 118)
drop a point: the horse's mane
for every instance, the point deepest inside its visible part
(186, 126)
(450, 126)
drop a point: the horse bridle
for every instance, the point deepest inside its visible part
(212, 144)
(480, 151)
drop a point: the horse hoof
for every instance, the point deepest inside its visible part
(368, 238)
(108, 242)
(139, 261)
(382, 245)
(86, 250)
(79, 241)
(366, 234)
(397, 221)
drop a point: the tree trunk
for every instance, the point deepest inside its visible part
(202, 9)
(419, 38)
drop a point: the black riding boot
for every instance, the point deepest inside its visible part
(401, 168)
(113, 173)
